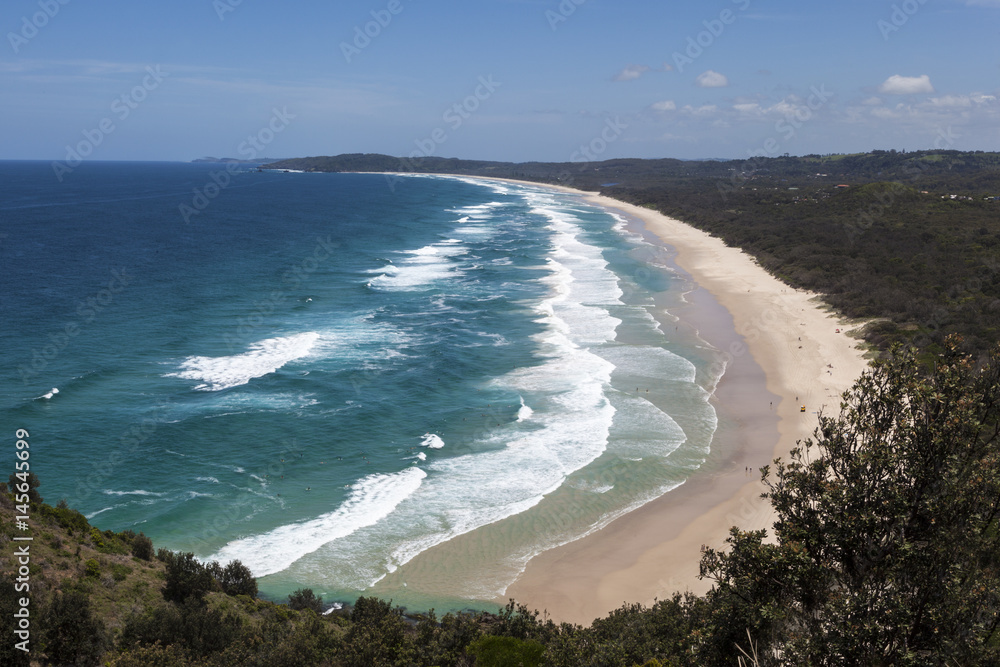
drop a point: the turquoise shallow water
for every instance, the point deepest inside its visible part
(325, 377)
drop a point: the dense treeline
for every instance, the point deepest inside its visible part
(886, 551)
(912, 241)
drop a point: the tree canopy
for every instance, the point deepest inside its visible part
(886, 546)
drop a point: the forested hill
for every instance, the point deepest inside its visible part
(909, 239)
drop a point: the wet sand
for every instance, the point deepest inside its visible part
(783, 349)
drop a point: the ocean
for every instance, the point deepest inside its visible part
(327, 375)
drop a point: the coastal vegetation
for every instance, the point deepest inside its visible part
(886, 551)
(909, 241)
(886, 548)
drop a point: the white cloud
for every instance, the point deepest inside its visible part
(951, 101)
(712, 79)
(706, 110)
(789, 107)
(872, 102)
(631, 73)
(885, 114)
(665, 105)
(749, 108)
(906, 85)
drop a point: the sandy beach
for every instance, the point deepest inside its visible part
(787, 353)
(783, 350)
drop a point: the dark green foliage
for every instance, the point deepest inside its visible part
(377, 635)
(71, 633)
(632, 634)
(28, 486)
(446, 642)
(237, 579)
(142, 547)
(888, 550)
(304, 598)
(68, 518)
(516, 620)
(186, 577)
(311, 641)
(493, 651)
(197, 628)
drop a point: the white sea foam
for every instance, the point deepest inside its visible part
(497, 187)
(49, 394)
(100, 511)
(420, 267)
(569, 422)
(371, 500)
(389, 519)
(654, 363)
(213, 480)
(524, 412)
(263, 358)
(137, 492)
(432, 440)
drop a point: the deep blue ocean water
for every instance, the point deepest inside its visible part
(325, 375)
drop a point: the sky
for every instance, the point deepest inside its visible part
(511, 80)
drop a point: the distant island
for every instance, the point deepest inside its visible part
(908, 240)
(215, 160)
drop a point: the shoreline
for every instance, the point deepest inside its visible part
(784, 339)
(782, 349)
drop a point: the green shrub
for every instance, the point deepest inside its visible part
(92, 568)
(142, 547)
(493, 651)
(71, 634)
(194, 626)
(68, 518)
(237, 579)
(304, 598)
(186, 578)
